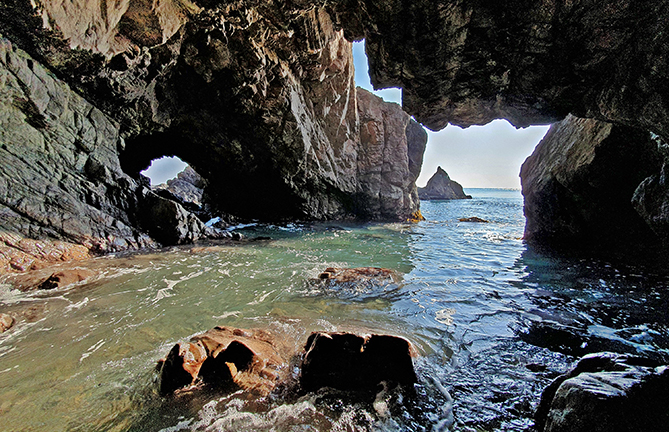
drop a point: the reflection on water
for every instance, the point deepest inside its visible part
(493, 322)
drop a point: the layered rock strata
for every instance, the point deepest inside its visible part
(61, 178)
(259, 99)
(579, 184)
(441, 187)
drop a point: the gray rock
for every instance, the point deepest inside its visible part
(579, 182)
(609, 393)
(441, 187)
(60, 176)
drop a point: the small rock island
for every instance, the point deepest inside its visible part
(441, 187)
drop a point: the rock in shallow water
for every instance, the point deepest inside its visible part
(6, 322)
(359, 275)
(346, 361)
(607, 392)
(223, 357)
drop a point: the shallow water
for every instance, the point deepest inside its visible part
(493, 321)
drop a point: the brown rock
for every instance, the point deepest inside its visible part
(474, 219)
(226, 358)
(64, 278)
(360, 274)
(347, 361)
(6, 322)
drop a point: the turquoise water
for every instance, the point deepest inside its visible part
(493, 322)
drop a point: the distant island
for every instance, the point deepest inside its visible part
(441, 187)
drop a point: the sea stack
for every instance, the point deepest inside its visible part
(441, 187)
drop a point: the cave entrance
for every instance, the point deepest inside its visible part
(174, 179)
(481, 157)
(163, 169)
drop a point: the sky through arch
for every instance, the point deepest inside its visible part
(487, 156)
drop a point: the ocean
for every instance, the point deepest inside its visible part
(493, 322)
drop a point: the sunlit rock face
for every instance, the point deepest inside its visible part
(579, 184)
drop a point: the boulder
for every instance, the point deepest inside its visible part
(6, 322)
(225, 358)
(389, 159)
(441, 187)
(609, 393)
(64, 278)
(359, 275)
(346, 361)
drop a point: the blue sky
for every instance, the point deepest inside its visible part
(479, 156)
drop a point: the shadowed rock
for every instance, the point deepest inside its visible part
(579, 183)
(474, 219)
(64, 278)
(224, 358)
(607, 392)
(347, 361)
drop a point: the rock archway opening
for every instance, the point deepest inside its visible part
(487, 156)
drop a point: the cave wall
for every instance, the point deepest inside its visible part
(579, 185)
(258, 96)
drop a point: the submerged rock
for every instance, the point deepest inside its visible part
(441, 187)
(359, 275)
(6, 322)
(226, 358)
(474, 219)
(346, 361)
(64, 278)
(607, 392)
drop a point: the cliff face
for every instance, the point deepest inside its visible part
(579, 184)
(258, 98)
(441, 187)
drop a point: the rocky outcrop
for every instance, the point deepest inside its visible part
(263, 91)
(347, 361)
(607, 392)
(187, 188)
(579, 184)
(225, 358)
(61, 178)
(441, 187)
(389, 159)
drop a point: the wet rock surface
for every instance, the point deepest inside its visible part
(607, 392)
(6, 322)
(347, 361)
(473, 219)
(335, 275)
(579, 184)
(224, 358)
(441, 187)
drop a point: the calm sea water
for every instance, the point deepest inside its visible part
(493, 321)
